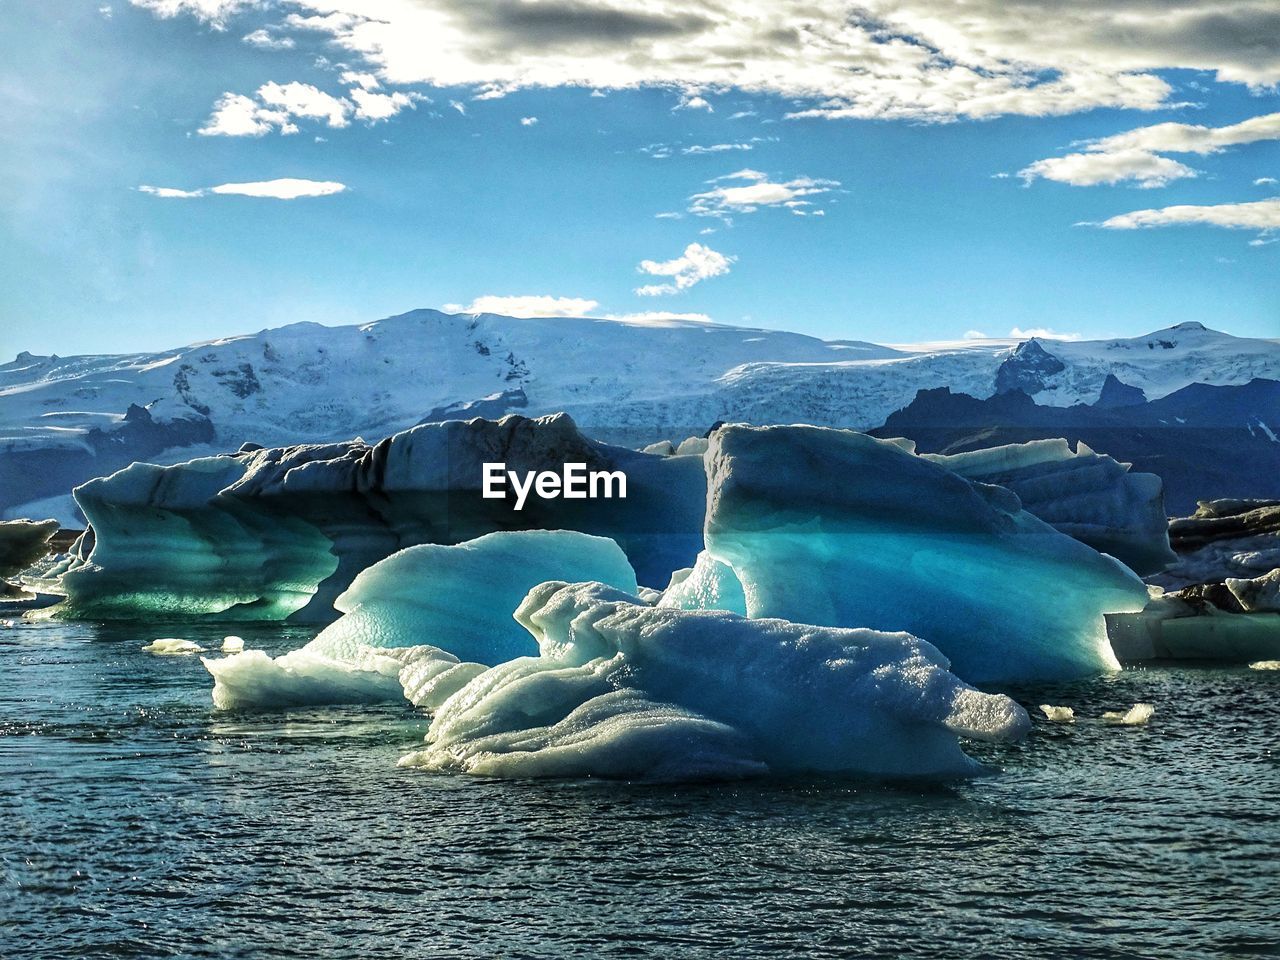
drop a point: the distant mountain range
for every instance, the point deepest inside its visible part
(64, 420)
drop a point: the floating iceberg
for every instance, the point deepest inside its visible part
(1135, 716)
(837, 528)
(1225, 599)
(269, 534)
(460, 598)
(22, 543)
(447, 605)
(172, 647)
(623, 689)
(1085, 495)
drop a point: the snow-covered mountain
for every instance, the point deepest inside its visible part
(63, 420)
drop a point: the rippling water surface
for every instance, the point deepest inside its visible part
(135, 821)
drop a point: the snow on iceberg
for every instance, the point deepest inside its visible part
(623, 689)
(837, 528)
(269, 534)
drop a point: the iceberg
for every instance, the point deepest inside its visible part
(460, 598)
(837, 528)
(623, 689)
(22, 543)
(446, 605)
(279, 533)
(1086, 495)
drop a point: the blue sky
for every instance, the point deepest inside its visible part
(878, 177)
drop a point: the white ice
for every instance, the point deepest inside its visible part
(623, 689)
(837, 528)
(172, 647)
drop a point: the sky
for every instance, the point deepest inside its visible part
(895, 171)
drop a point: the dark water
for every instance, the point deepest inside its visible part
(135, 821)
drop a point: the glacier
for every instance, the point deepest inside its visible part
(837, 528)
(623, 689)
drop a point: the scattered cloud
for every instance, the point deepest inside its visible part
(213, 12)
(459, 106)
(871, 58)
(263, 39)
(526, 306)
(975, 335)
(1145, 169)
(276, 106)
(1265, 182)
(1254, 215)
(757, 191)
(286, 188)
(528, 121)
(1133, 156)
(668, 215)
(696, 264)
(697, 148)
(694, 102)
(373, 107)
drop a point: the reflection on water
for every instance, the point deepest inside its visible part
(139, 822)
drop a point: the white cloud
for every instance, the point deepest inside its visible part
(696, 264)
(658, 317)
(694, 102)
(528, 121)
(1043, 333)
(382, 106)
(304, 100)
(975, 335)
(526, 306)
(668, 215)
(170, 193)
(265, 40)
(1132, 155)
(869, 58)
(1192, 138)
(286, 188)
(276, 106)
(365, 81)
(1090, 169)
(459, 106)
(1265, 182)
(760, 191)
(696, 148)
(214, 12)
(1255, 215)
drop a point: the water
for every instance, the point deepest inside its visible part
(138, 822)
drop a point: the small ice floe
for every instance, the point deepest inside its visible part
(1265, 665)
(232, 644)
(1058, 714)
(172, 647)
(1136, 715)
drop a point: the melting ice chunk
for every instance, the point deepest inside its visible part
(1265, 665)
(172, 647)
(1058, 714)
(232, 644)
(1135, 716)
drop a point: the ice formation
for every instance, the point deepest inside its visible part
(1135, 716)
(837, 528)
(445, 603)
(1058, 714)
(1085, 495)
(623, 689)
(22, 543)
(1224, 602)
(460, 598)
(1265, 665)
(269, 534)
(172, 647)
(232, 644)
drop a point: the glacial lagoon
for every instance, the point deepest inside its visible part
(141, 822)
